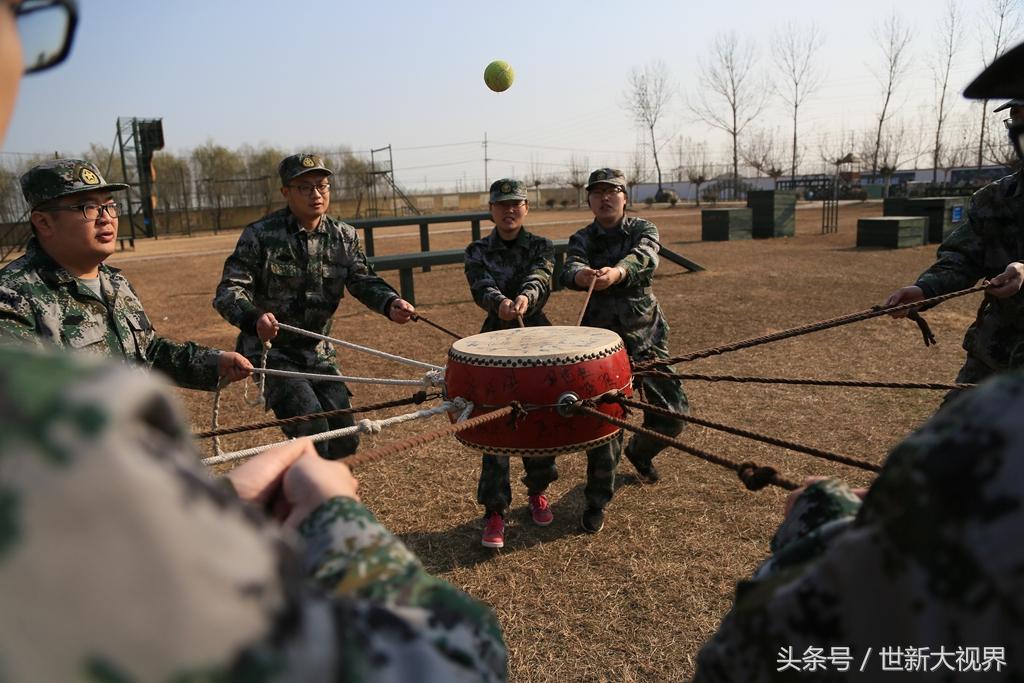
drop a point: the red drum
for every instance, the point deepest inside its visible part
(538, 366)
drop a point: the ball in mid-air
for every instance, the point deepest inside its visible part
(498, 76)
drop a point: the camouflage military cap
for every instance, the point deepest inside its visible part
(1003, 78)
(508, 190)
(62, 177)
(611, 176)
(297, 164)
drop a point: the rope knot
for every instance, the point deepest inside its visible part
(369, 426)
(755, 477)
(518, 414)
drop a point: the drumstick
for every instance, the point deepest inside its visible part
(519, 317)
(586, 302)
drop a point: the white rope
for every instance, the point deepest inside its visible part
(357, 347)
(260, 400)
(430, 379)
(365, 426)
(216, 415)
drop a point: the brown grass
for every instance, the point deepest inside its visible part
(635, 602)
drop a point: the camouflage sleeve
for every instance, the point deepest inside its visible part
(537, 283)
(106, 447)
(923, 544)
(961, 258)
(366, 285)
(237, 288)
(188, 364)
(350, 554)
(576, 259)
(481, 282)
(17, 319)
(642, 260)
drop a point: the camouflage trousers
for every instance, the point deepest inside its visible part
(291, 397)
(664, 393)
(494, 490)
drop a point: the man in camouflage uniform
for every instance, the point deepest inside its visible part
(509, 274)
(923, 578)
(620, 254)
(989, 244)
(121, 561)
(293, 266)
(61, 293)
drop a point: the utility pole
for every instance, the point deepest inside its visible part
(487, 183)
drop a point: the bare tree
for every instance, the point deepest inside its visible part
(893, 37)
(763, 153)
(950, 37)
(795, 53)
(647, 98)
(731, 78)
(577, 176)
(697, 167)
(1002, 23)
(636, 172)
(893, 152)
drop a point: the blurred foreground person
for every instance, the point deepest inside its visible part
(120, 560)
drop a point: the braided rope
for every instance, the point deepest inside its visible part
(357, 347)
(873, 312)
(421, 439)
(365, 426)
(753, 476)
(417, 398)
(215, 421)
(800, 448)
(260, 400)
(430, 379)
(810, 382)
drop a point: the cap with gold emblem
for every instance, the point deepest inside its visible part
(297, 164)
(508, 190)
(61, 177)
(611, 176)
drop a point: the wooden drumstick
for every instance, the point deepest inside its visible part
(519, 317)
(586, 302)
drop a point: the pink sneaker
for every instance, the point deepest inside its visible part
(494, 531)
(540, 511)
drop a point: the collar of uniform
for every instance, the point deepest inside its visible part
(295, 228)
(50, 270)
(496, 241)
(622, 226)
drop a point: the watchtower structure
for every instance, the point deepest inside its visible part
(137, 140)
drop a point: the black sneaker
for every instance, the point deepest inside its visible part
(592, 520)
(646, 472)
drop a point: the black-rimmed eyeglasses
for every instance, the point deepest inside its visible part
(46, 29)
(91, 211)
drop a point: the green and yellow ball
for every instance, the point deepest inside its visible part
(499, 76)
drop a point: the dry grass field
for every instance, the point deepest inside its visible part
(634, 602)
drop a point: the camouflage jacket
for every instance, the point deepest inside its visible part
(496, 272)
(120, 560)
(41, 303)
(991, 237)
(628, 308)
(300, 276)
(925, 573)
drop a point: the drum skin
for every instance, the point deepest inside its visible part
(534, 366)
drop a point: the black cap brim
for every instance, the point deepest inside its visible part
(1003, 78)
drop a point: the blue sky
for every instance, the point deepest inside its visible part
(327, 74)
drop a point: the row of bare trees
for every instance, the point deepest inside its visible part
(210, 176)
(735, 91)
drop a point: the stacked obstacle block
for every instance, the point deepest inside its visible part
(892, 232)
(719, 225)
(943, 213)
(774, 213)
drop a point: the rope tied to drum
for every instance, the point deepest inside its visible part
(363, 426)
(748, 434)
(423, 439)
(417, 398)
(753, 476)
(745, 379)
(873, 312)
